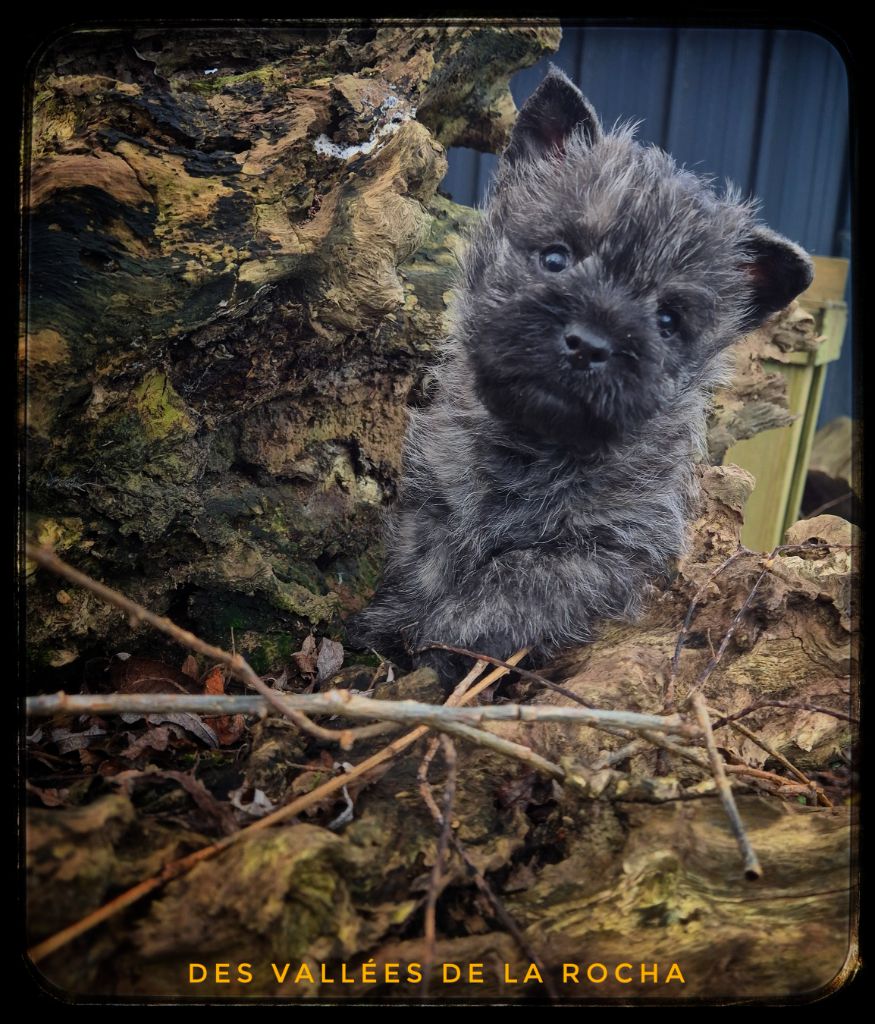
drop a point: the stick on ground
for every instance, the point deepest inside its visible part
(752, 869)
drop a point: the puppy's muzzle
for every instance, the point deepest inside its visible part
(586, 349)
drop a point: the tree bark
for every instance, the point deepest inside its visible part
(621, 865)
(232, 297)
(238, 267)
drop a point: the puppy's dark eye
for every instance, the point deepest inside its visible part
(555, 258)
(668, 321)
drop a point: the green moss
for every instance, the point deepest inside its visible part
(368, 569)
(274, 650)
(366, 659)
(160, 408)
(268, 75)
(292, 597)
(61, 533)
(277, 522)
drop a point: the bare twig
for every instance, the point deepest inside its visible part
(724, 643)
(612, 757)
(465, 691)
(792, 704)
(236, 665)
(504, 917)
(819, 795)
(444, 819)
(752, 869)
(145, 704)
(809, 546)
(353, 705)
(756, 773)
(688, 619)
(830, 504)
(767, 564)
(665, 745)
(535, 677)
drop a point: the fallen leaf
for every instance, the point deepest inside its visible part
(228, 728)
(204, 799)
(330, 659)
(257, 806)
(152, 739)
(67, 740)
(215, 681)
(190, 667)
(191, 723)
(50, 797)
(305, 659)
(144, 675)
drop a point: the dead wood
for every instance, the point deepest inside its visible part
(239, 265)
(233, 298)
(645, 873)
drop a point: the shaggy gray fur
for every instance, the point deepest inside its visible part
(550, 477)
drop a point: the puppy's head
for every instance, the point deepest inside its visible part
(604, 280)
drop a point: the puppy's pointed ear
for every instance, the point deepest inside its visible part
(553, 111)
(777, 270)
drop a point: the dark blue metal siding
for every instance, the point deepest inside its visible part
(765, 109)
(713, 112)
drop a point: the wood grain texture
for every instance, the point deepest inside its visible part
(239, 265)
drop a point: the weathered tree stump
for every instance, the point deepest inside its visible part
(240, 266)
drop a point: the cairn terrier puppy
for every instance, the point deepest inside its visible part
(550, 479)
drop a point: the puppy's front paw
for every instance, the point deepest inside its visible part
(450, 668)
(358, 630)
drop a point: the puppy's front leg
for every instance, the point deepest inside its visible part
(545, 598)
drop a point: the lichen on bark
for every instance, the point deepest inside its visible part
(238, 266)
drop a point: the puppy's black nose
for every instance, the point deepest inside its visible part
(586, 348)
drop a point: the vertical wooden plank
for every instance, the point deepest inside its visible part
(806, 439)
(839, 393)
(771, 457)
(460, 181)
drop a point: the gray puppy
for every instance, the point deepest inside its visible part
(551, 476)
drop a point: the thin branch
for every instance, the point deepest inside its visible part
(792, 704)
(848, 495)
(535, 677)
(768, 562)
(651, 739)
(353, 705)
(819, 796)
(444, 819)
(688, 619)
(714, 661)
(752, 868)
(756, 773)
(808, 546)
(613, 757)
(235, 663)
(504, 917)
(464, 692)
